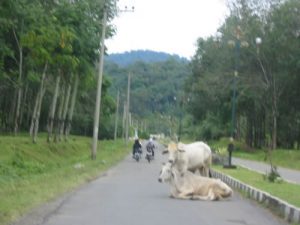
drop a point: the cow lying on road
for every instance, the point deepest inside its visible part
(192, 157)
(192, 186)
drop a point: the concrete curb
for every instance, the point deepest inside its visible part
(289, 212)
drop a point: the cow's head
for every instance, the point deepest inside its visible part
(165, 173)
(174, 150)
(224, 189)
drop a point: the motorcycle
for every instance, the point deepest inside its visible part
(149, 152)
(138, 155)
(149, 156)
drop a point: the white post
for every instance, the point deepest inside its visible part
(99, 87)
(117, 116)
(127, 108)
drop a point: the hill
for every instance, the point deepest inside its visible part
(155, 89)
(147, 56)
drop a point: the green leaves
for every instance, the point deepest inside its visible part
(64, 35)
(268, 73)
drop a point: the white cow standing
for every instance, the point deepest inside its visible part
(192, 186)
(192, 157)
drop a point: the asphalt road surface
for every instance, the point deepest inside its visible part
(130, 194)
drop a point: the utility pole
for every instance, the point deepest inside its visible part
(124, 120)
(99, 87)
(237, 44)
(99, 83)
(127, 109)
(117, 116)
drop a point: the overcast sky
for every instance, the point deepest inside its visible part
(171, 26)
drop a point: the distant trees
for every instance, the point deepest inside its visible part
(154, 90)
(47, 61)
(267, 101)
(126, 58)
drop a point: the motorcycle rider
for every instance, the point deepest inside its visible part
(150, 147)
(137, 147)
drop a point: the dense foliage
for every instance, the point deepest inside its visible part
(48, 52)
(267, 104)
(156, 90)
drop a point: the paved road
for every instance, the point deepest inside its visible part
(287, 174)
(129, 194)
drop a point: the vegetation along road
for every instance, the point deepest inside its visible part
(287, 174)
(130, 194)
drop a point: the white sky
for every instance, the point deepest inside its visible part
(171, 26)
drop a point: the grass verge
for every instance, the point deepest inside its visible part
(31, 174)
(286, 191)
(288, 158)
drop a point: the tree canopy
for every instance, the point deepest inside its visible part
(46, 46)
(268, 74)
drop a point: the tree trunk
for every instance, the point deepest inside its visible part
(23, 105)
(71, 111)
(59, 116)
(17, 116)
(39, 105)
(19, 97)
(65, 111)
(52, 109)
(37, 118)
(34, 115)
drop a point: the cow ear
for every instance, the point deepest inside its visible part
(165, 151)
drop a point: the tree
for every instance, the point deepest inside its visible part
(46, 45)
(267, 72)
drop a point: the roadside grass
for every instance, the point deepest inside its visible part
(288, 158)
(280, 157)
(32, 174)
(288, 192)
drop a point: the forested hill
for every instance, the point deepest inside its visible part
(155, 87)
(147, 56)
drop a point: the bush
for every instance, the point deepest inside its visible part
(273, 176)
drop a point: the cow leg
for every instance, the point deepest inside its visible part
(209, 197)
(187, 196)
(214, 195)
(209, 173)
(200, 197)
(202, 171)
(206, 171)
